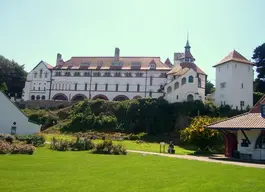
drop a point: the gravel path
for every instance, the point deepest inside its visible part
(200, 158)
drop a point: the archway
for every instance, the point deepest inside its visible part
(190, 98)
(100, 97)
(137, 97)
(79, 97)
(120, 98)
(38, 97)
(32, 97)
(60, 96)
(43, 97)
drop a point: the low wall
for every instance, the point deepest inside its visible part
(44, 104)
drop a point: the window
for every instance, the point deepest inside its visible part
(67, 74)
(242, 104)
(199, 82)
(76, 73)
(86, 74)
(152, 66)
(75, 86)
(42, 97)
(177, 97)
(41, 71)
(223, 85)
(190, 79)
(35, 75)
(59, 86)
(96, 74)
(260, 143)
(139, 74)
(151, 80)
(127, 87)
(183, 81)
(242, 86)
(106, 87)
(32, 97)
(169, 89)
(128, 74)
(46, 74)
(44, 88)
(85, 86)
(107, 74)
(58, 73)
(39, 88)
(117, 87)
(190, 98)
(176, 85)
(96, 87)
(33, 88)
(38, 97)
(138, 88)
(117, 74)
(150, 94)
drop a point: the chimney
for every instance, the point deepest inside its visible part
(117, 54)
(59, 59)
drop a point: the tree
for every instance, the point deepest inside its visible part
(209, 87)
(3, 87)
(259, 58)
(13, 75)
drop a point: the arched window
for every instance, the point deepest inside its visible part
(75, 86)
(44, 88)
(260, 143)
(32, 97)
(138, 88)
(96, 87)
(38, 97)
(39, 88)
(85, 86)
(43, 97)
(127, 87)
(46, 74)
(169, 89)
(183, 81)
(33, 88)
(199, 82)
(35, 75)
(106, 87)
(191, 79)
(190, 98)
(117, 87)
(41, 71)
(176, 85)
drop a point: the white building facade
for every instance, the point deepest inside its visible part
(234, 81)
(12, 120)
(111, 78)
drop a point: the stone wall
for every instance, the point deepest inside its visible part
(43, 104)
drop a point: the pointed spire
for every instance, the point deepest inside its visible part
(187, 43)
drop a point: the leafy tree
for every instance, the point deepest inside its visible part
(13, 75)
(3, 87)
(209, 87)
(259, 58)
(197, 135)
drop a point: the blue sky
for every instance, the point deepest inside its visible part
(34, 30)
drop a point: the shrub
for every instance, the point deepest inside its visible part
(7, 137)
(107, 147)
(138, 136)
(16, 148)
(5, 147)
(22, 149)
(81, 144)
(197, 135)
(34, 139)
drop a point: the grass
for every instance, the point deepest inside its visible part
(132, 145)
(49, 171)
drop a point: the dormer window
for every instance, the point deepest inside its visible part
(153, 66)
(100, 63)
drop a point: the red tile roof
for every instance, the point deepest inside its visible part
(182, 69)
(234, 56)
(250, 120)
(106, 63)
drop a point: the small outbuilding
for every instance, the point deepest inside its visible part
(13, 120)
(244, 134)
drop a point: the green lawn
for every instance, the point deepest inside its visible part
(133, 145)
(49, 171)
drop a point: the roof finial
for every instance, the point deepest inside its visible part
(187, 43)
